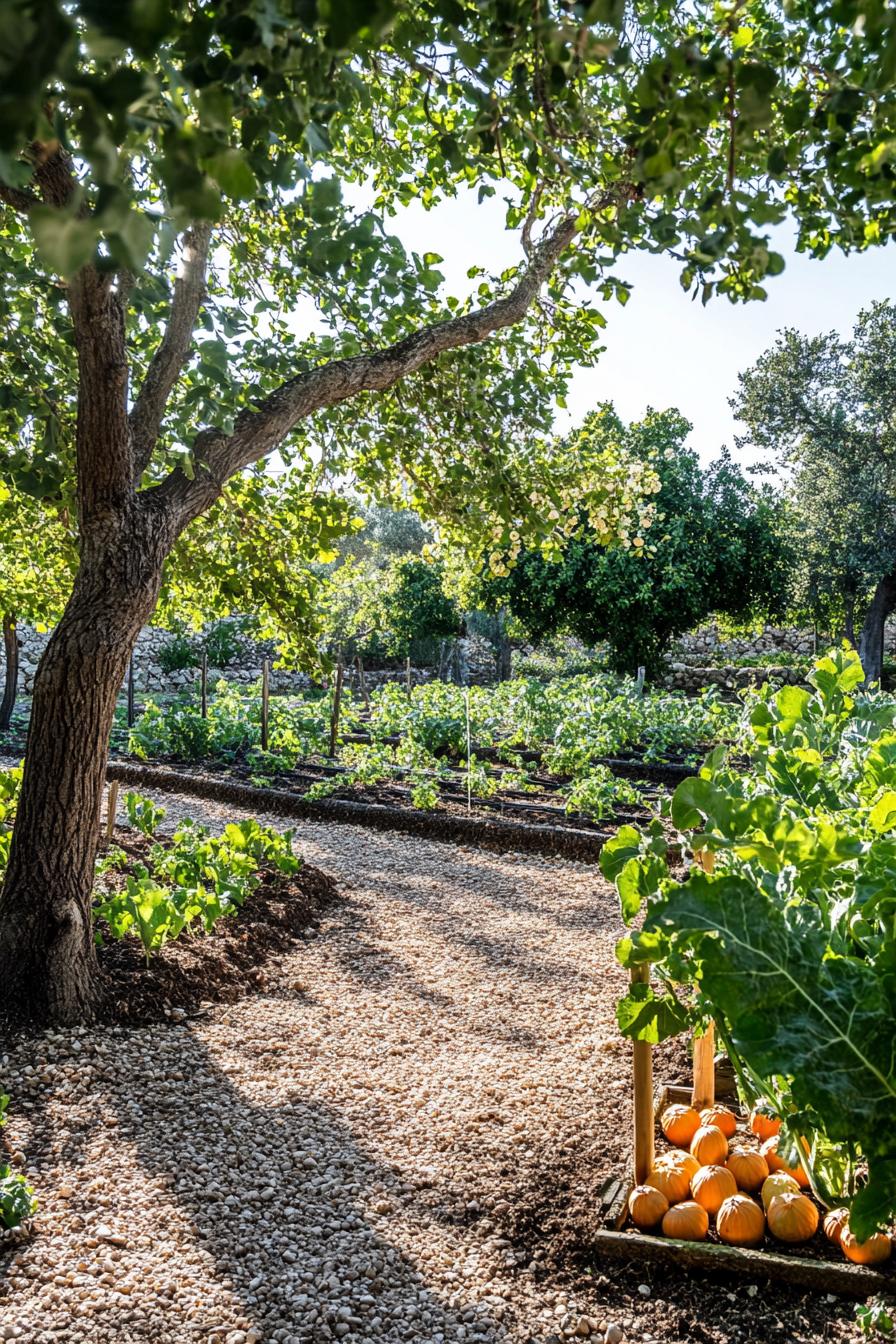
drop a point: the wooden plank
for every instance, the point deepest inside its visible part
(704, 1256)
(704, 1093)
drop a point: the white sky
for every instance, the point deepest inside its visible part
(662, 349)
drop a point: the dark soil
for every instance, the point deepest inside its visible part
(235, 959)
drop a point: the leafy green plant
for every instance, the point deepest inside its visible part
(178, 653)
(17, 1201)
(223, 643)
(197, 876)
(10, 788)
(877, 1317)
(143, 814)
(791, 940)
(424, 792)
(325, 788)
(111, 860)
(597, 794)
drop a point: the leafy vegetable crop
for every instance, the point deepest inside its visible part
(790, 942)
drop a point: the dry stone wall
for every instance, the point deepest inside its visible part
(473, 657)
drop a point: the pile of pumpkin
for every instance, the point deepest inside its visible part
(703, 1178)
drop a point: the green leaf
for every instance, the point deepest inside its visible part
(232, 173)
(644, 1015)
(65, 242)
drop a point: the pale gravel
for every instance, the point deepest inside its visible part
(310, 1164)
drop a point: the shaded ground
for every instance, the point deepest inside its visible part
(401, 1138)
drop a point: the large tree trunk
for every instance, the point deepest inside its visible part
(47, 956)
(11, 670)
(871, 639)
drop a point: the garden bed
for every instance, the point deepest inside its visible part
(563, 837)
(235, 958)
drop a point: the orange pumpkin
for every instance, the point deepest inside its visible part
(792, 1217)
(722, 1118)
(874, 1251)
(712, 1186)
(740, 1221)
(779, 1183)
(688, 1222)
(709, 1145)
(647, 1205)
(769, 1151)
(680, 1159)
(748, 1167)
(835, 1220)
(764, 1123)
(679, 1124)
(674, 1183)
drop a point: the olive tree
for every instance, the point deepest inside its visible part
(826, 407)
(179, 183)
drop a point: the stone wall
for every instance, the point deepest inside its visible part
(473, 658)
(708, 645)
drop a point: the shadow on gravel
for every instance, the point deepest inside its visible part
(285, 1201)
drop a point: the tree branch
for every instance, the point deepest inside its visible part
(173, 350)
(18, 199)
(258, 432)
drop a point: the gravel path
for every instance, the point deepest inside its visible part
(378, 1150)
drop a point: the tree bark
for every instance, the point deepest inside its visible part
(47, 955)
(11, 673)
(871, 638)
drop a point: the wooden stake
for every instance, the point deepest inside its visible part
(131, 692)
(643, 1093)
(265, 701)
(203, 686)
(407, 674)
(362, 684)
(334, 716)
(111, 807)
(704, 1093)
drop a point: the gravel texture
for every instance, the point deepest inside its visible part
(401, 1140)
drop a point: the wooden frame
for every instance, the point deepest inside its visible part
(821, 1275)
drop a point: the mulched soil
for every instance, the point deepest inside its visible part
(238, 957)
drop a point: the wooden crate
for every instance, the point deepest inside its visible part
(823, 1276)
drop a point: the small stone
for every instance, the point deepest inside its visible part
(644, 1289)
(615, 1334)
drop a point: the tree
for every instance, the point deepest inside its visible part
(171, 178)
(717, 546)
(37, 560)
(827, 408)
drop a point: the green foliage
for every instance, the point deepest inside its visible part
(178, 653)
(823, 406)
(17, 1200)
(599, 792)
(196, 877)
(415, 610)
(223, 644)
(143, 814)
(876, 1317)
(790, 940)
(716, 544)
(10, 787)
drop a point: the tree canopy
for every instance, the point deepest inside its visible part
(717, 545)
(825, 406)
